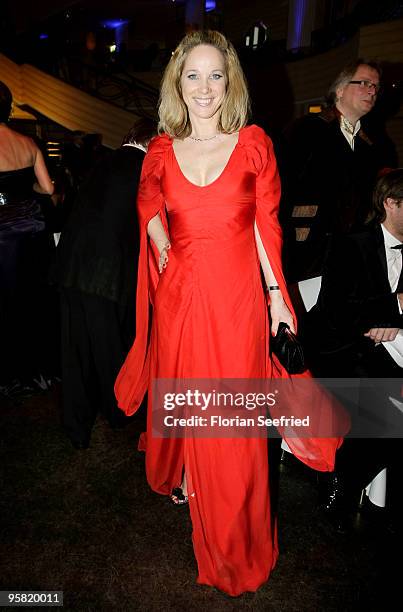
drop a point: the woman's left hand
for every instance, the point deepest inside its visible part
(279, 312)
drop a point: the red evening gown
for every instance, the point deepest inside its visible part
(210, 321)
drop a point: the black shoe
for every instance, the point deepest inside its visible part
(331, 490)
(18, 391)
(332, 501)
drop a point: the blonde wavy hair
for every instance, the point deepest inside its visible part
(173, 113)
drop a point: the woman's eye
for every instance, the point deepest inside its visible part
(192, 76)
(216, 76)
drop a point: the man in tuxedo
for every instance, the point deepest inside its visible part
(96, 270)
(331, 164)
(356, 330)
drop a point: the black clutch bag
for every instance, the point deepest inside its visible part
(288, 350)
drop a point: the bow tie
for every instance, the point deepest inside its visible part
(398, 246)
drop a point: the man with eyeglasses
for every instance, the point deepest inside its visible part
(332, 166)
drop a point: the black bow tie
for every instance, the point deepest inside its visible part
(398, 246)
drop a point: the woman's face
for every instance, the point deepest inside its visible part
(203, 81)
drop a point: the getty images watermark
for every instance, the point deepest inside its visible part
(295, 407)
(209, 402)
(228, 408)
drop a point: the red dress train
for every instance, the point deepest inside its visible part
(210, 321)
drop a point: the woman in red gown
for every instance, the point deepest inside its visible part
(214, 182)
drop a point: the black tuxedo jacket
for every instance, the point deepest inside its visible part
(355, 296)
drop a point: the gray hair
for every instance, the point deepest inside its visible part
(346, 75)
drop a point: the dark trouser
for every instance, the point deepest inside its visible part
(94, 347)
(360, 459)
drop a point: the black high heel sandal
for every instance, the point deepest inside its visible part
(178, 498)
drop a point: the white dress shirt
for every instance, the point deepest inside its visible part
(349, 130)
(394, 263)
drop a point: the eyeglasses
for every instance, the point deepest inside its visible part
(367, 85)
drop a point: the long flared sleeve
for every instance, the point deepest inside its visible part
(261, 156)
(132, 381)
(301, 394)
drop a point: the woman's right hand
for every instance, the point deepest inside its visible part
(163, 258)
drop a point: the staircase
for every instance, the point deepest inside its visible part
(111, 114)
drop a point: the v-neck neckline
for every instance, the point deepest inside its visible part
(218, 177)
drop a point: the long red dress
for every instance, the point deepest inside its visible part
(210, 320)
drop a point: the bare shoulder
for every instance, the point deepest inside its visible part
(16, 150)
(21, 140)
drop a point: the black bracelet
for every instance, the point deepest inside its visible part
(274, 288)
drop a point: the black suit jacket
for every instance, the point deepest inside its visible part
(355, 295)
(98, 249)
